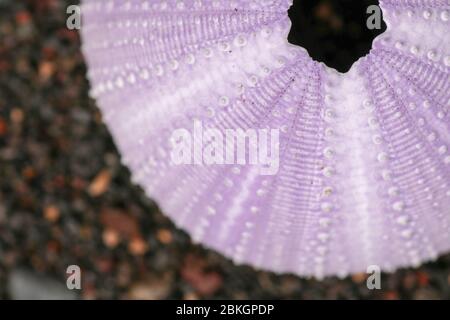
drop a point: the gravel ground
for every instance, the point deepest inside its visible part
(65, 198)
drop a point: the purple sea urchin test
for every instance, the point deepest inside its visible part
(364, 165)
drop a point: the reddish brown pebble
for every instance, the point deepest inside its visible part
(206, 283)
(51, 213)
(423, 278)
(46, 70)
(124, 224)
(191, 296)
(164, 236)
(324, 11)
(359, 278)
(137, 246)
(78, 183)
(390, 295)
(28, 172)
(104, 264)
(110, 238)
(409, 281)
(155, 287)
(53, 246)
(100, 183)
(16, 115)
(23, 17)
(3, 127)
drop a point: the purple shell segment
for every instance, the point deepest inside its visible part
(364, 159)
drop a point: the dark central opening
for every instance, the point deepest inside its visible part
(335, 32)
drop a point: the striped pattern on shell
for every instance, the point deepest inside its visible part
(364, 174)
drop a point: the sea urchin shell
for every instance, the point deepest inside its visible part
(364, 171)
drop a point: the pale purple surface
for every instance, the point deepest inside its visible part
(365, 162)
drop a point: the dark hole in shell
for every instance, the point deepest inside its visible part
(334, 32)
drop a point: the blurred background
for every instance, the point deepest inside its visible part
(65, 198)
